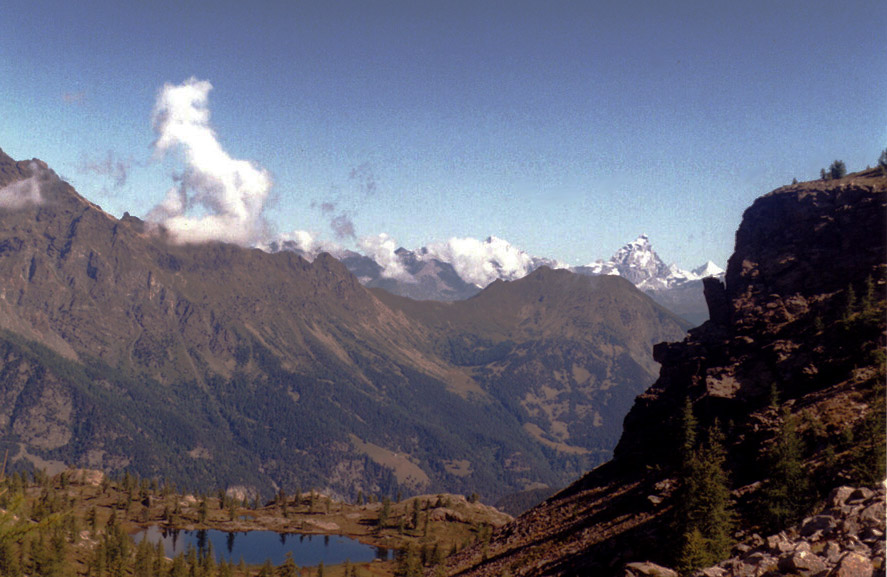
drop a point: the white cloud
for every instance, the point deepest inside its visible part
(217, 197)
(306, 243)
(381, 248)
(27, 192)
(482, 262)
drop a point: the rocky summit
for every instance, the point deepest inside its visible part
(770, 405)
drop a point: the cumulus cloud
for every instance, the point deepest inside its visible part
(216, 197)
(27, 192)
(482, 262)
(114, 168)
(381, 248)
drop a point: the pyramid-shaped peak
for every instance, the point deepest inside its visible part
(708, 269)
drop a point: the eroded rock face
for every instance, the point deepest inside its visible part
(808, 239)
(846, 540)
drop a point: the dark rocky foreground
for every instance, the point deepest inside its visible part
(846, 539)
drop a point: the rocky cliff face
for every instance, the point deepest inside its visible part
(798, 328)
(800, 251)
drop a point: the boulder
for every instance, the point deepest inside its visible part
(853, 565)
(648, 569)
(801, 561)
(821, 524)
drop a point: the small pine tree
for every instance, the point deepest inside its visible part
(849, 303)
(703, 513)
(688, 431)
(408, 563)
(384, 513)
(414, 516)
(882, 160)
(786, 493)
(267, 569)
(202, 511)
(694, 552)
(869, 456)
(289, 567)
(868, 297)
(837, 170)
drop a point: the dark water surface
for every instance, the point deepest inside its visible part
(257, 546)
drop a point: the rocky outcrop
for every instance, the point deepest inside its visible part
(717, 301)
(799, 251)
(846, 539)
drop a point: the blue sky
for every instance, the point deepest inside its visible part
(567, 128)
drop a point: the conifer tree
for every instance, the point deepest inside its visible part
(267, 569)
(704, 517)
(202, 511)
(849, 303)
(869, 456)
(786, 493)
(385, 512)
(837, 169)
(408, 562)
(289, 568)
(688, 431)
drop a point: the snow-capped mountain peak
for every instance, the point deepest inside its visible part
(638, 262)
(708, 269)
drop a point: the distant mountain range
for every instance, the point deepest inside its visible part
(460, 268)
(218, 365)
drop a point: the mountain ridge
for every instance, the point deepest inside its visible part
(221, 364)
(460, 268)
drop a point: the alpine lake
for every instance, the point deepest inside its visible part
(255, 547)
